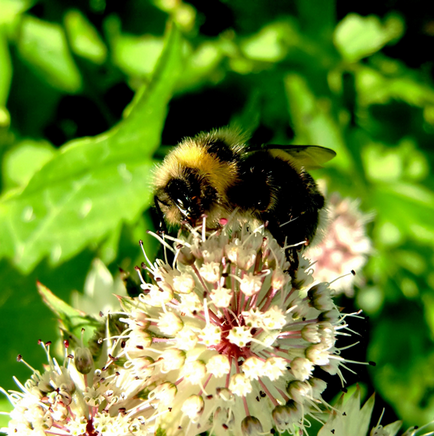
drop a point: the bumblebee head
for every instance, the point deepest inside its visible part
(186, 198)
(194, 178)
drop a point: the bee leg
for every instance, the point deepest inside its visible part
(162, 228)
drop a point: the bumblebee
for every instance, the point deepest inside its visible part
(216, 173)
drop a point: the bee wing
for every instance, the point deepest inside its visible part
(308, 156)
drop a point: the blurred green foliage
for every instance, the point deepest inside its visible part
(77, 149)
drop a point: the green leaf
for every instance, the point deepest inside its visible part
(5, 406)
(270, 43)
(11, 8)
(373, 87)
(71, 320)
(5, 75)
(204, 65)
(407, 206)
(45, 47)
(5, 70)
(137, 55)
(357, 37)
(21, 162)
(313, 120)
(84, 38)
(134, 55)
(92, 184)
(403, 352)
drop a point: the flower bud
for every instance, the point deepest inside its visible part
(251, 426)
(320, 297)
(170, 323)
(165, 393)
(318, 354)
(193, 407)
(301, 368)
(299, 391)
(185, 256)
(310, 333)
(285, 416)
(318, 386)
(331, 316)
(83, 360)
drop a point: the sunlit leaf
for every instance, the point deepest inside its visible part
(45, 47)
(271, 43)
(313, 120)
(134, 55)
(21, 162)
(94, 183)
(375, 88)
(84, 38)
(202, 65)
(407, 206)
(72, 321)
(11, 8)
(357, 37)
(382, 163)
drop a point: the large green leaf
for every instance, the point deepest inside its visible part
(92, 184)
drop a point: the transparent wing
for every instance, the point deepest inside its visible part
(308, 156)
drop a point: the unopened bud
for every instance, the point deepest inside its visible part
(251, 426)
(285, 416)
(83, 360)
(299, 391)
(186, 257)
(320, 297)
(301, 368)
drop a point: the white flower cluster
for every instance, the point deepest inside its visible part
(345, 245)
(222, 341)
(74, 399)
